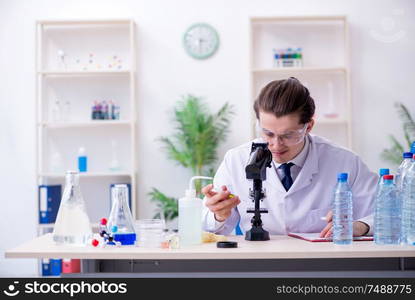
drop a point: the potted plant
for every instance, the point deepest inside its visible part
(193, 145)
(394, 153)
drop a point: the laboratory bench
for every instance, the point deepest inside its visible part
(281, 256)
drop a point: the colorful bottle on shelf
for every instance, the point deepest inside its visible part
(82, 160)
(105, 111)
(287, 58)
(94, 115)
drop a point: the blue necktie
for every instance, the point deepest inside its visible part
(287, 181)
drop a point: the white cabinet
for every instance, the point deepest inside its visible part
(79, 62)
(325, 67)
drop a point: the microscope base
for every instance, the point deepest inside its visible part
(257, 234)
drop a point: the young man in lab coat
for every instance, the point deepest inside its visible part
(299, 185)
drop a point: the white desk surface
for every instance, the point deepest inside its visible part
(279, 247)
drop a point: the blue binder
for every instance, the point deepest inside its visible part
(51, 267)
(49, 200)
(45, 267)
(55, 267)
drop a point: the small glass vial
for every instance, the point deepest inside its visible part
(56, 112)
(66, 112)
(165, 242)
(175, 240)
(61, 59)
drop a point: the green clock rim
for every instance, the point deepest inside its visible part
(205, 55)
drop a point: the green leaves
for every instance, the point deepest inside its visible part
(408, 123)
(394, 153)
(197, 134)
(165, 204)
(195, 141)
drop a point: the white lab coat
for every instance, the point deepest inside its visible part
(309, 198)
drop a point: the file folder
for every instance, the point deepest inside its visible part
(49, 201)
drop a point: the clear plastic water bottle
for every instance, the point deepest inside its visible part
(382, 172)
(408, 206)
(403, 168)
(342, 212)
(387, 213)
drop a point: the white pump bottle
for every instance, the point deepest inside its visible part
(190, 216)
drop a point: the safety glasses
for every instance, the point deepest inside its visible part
(289, 138)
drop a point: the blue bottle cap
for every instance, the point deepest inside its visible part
(383, 172)
(407, 155)
(342, 176)
(413, 147)
(388, 178)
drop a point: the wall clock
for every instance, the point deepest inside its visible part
(201, 41)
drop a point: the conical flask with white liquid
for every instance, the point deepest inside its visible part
(72, 226)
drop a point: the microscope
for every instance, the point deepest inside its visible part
(260, 159)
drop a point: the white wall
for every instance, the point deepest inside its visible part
(382, 73)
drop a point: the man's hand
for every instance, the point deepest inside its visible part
(328, 230)
(219, 202)
(359, 228)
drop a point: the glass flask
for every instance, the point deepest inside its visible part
(72, 226)
(120, 221)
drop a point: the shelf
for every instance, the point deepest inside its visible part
(50, 225)
(85, 73)
(330, 121)
(80, 62)
(97, 123)
(297, 19)
(88, 174)
(325, 73)
(298, 70)
(108, 22)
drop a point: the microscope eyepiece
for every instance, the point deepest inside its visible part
(259, 160)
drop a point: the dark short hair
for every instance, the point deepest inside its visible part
(284, 97)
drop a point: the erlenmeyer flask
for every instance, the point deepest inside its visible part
(72, 226)
(120, 221)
